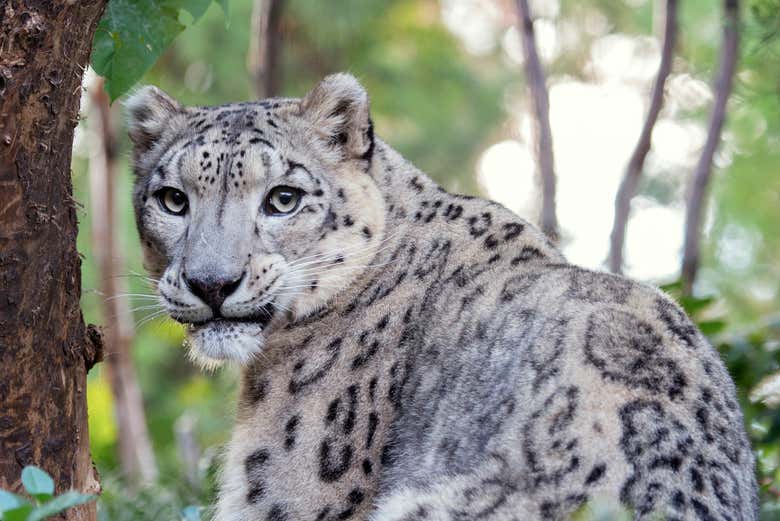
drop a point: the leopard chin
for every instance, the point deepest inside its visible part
(223, 340)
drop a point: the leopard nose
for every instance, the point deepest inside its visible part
(213, 291)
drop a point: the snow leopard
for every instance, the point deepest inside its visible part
(412, 354)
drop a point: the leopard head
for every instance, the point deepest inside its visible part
(254, 214)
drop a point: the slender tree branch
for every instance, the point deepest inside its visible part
(633, 172)
(264, 46)
(728, 61)
(135, 449)
(544, 149)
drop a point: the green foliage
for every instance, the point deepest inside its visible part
(43, 503)
(169, 499)
(134, 33)
(767, 13)
(751, 355)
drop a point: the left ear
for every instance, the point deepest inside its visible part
(338, 109)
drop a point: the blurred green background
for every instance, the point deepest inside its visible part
(447, 90)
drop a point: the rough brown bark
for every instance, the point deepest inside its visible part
(548, 220)
(264, 45)
(636, 163)
(45, 350)
(698, 188)
(135, 449)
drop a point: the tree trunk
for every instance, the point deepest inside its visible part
(264, 45)
(45, 350)
(135, 449)
(698, 188)
(543, 134)
(636, 163)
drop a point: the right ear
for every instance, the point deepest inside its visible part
(150, 112)
(338, 109)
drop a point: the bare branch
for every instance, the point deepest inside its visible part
(544, 149)
(728, 61)
(264, 46)
(135, 448)
(633, 172)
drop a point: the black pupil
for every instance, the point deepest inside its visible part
(177, 198)
(285, 197)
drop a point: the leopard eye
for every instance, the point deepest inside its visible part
(172, 200)
(282, 200)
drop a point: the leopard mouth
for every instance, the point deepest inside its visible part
(260, 318)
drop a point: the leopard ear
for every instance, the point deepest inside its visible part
(338, 109)
(150, 112)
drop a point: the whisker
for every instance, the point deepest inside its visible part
(340, 267)
(329, 257)
(280, 306)
(141, 276)
(308, 286)
(136, 275)
(145, 307)
(342, 251)
(150, 317)
(133, 296)
(314, 265)
(327, 253)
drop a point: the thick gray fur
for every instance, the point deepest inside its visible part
(431, 356)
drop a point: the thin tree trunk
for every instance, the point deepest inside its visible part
(45, 349)
(543, 134)
(188, 448)
(135, 450)
(636, 163)
(264, 45)
(693, 215)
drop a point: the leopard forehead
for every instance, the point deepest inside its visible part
(331, 123)
(210, 141)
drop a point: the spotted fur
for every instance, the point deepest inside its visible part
(412, 354)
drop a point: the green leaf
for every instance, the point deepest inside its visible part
(196, 8)
(225, 6)
(692, 305)
(133, 34)
(37, 483)
(711, 327)
(59, 504)
(18, 514)
(190, 513)
(9, 501)
(129, 39)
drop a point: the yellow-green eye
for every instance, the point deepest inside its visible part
(172, 200)
(282, 200)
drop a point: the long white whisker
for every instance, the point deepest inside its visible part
(340, 267)
(314, 264)
(149, 306)
(150, 317)
(280, 306)
(342, 252)
(151, 280)
(308, 286)
(144, 308)
(133, 296)
(330, 252)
